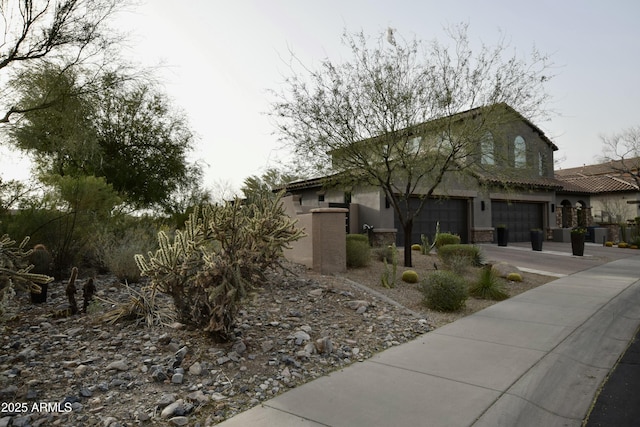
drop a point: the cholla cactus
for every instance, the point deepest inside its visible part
(388, 278)
(223, 251)
(15, 272)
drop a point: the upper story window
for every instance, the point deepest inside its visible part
(519, 152)
(487, 150)
(414, 144)
(540, 164)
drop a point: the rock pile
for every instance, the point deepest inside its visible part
(82, 371)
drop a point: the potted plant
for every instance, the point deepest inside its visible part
(537, 237)
(577, 240)
(503, 235)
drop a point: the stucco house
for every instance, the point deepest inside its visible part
(516, 187)
(614, 196)
(608, 195)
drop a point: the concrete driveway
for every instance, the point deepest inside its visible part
(556, 258)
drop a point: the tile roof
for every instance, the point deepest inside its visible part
(613, 167)
(539, 182)
(597, 184)
(599, 178)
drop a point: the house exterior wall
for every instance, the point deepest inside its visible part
(300, 251)
(613, 207)
(536, 150)
(481, 229)
(372, 207)
(312, 197)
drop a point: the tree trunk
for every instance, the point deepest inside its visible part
(407, 229)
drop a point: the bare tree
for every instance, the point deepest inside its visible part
(401, 115)
(622, 150)
(65, 32)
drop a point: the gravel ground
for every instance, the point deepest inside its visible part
(81, 370)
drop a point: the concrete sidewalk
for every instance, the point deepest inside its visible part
(535, 359)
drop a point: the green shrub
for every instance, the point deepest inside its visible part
(458, 264)
(358, 250)
(117, 251)
(444, 291)
(450, 254)
(410, 276)
(488, 286)
(608, 244)
(65, 218)
(416, 247)
(447, 239)
(385, 252)
(514, 277)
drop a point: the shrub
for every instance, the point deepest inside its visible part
(410, 276)
(386, 252)
(65, 218)
(358, 250)
(608, 244)
(622, 245)
(447, 239)
(514, 277)
(488, 286)
(444, 291)
(451, 253)
(118, 252)
(458, 264)
(416, 247)
(578, 230)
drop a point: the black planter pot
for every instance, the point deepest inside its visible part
(503, 236)
(41, 297)
(537, 237)
(577, 244)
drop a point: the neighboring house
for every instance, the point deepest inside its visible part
(614, 196)
(520, 192)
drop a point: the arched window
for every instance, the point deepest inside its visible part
(519, 152)
(486, 147)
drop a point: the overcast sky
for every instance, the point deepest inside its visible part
(222, 57)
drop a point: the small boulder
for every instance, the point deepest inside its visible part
(356, 304)
(503, 269)
(118, 365)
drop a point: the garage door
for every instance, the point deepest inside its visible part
(519, 217)
(451, 213)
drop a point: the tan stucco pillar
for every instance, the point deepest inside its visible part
(329, 237)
